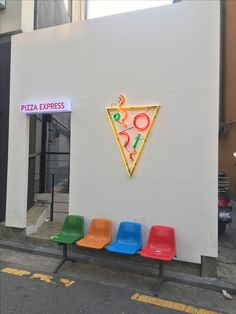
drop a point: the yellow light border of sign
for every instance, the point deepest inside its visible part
(108, 109)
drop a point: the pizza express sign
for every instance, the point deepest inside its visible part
(46, 107)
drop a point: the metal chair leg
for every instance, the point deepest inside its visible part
(65, 258)
(161, 278)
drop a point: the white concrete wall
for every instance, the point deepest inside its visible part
(168, 56)
(27, 15)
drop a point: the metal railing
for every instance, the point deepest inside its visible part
(53, 178)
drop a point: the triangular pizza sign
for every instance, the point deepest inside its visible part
(131, 126)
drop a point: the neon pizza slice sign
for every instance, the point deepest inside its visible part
(131, 126)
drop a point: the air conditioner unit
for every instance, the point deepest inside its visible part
(2, 4)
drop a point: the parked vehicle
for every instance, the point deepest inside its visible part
(224, 203)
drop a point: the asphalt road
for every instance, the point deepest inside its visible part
(28, 285)
(20, 295)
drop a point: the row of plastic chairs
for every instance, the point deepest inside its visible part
(160, 245)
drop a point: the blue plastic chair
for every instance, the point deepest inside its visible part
(128, 239)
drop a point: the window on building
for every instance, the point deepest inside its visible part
(52, 13)
(99, 8)
(68, 9)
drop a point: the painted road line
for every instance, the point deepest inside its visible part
(15, 271)
(170, 304)
(67, 282)
(42, 277)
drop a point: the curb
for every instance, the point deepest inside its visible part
(215, 284)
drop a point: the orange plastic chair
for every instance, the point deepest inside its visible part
(99, 234)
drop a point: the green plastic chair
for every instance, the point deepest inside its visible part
(72, 230)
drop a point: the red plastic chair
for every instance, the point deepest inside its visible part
(161, 246)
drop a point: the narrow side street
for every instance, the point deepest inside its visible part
(227, 250)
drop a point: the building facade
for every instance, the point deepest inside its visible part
(15, 17)
(18, 16)
(98, 70)
(42, 14)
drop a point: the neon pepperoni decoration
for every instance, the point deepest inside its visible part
(131, 155)
(134, 152)
(116, 116)
(122, 101)
(137, 138)
(128, 138)
(141, 115)
(124, 118)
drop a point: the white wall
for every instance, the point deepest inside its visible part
(168, 56)
(27, 15)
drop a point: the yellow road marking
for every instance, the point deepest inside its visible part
(42, 277)
(15, 271)
(170, 305)
(67, 282)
